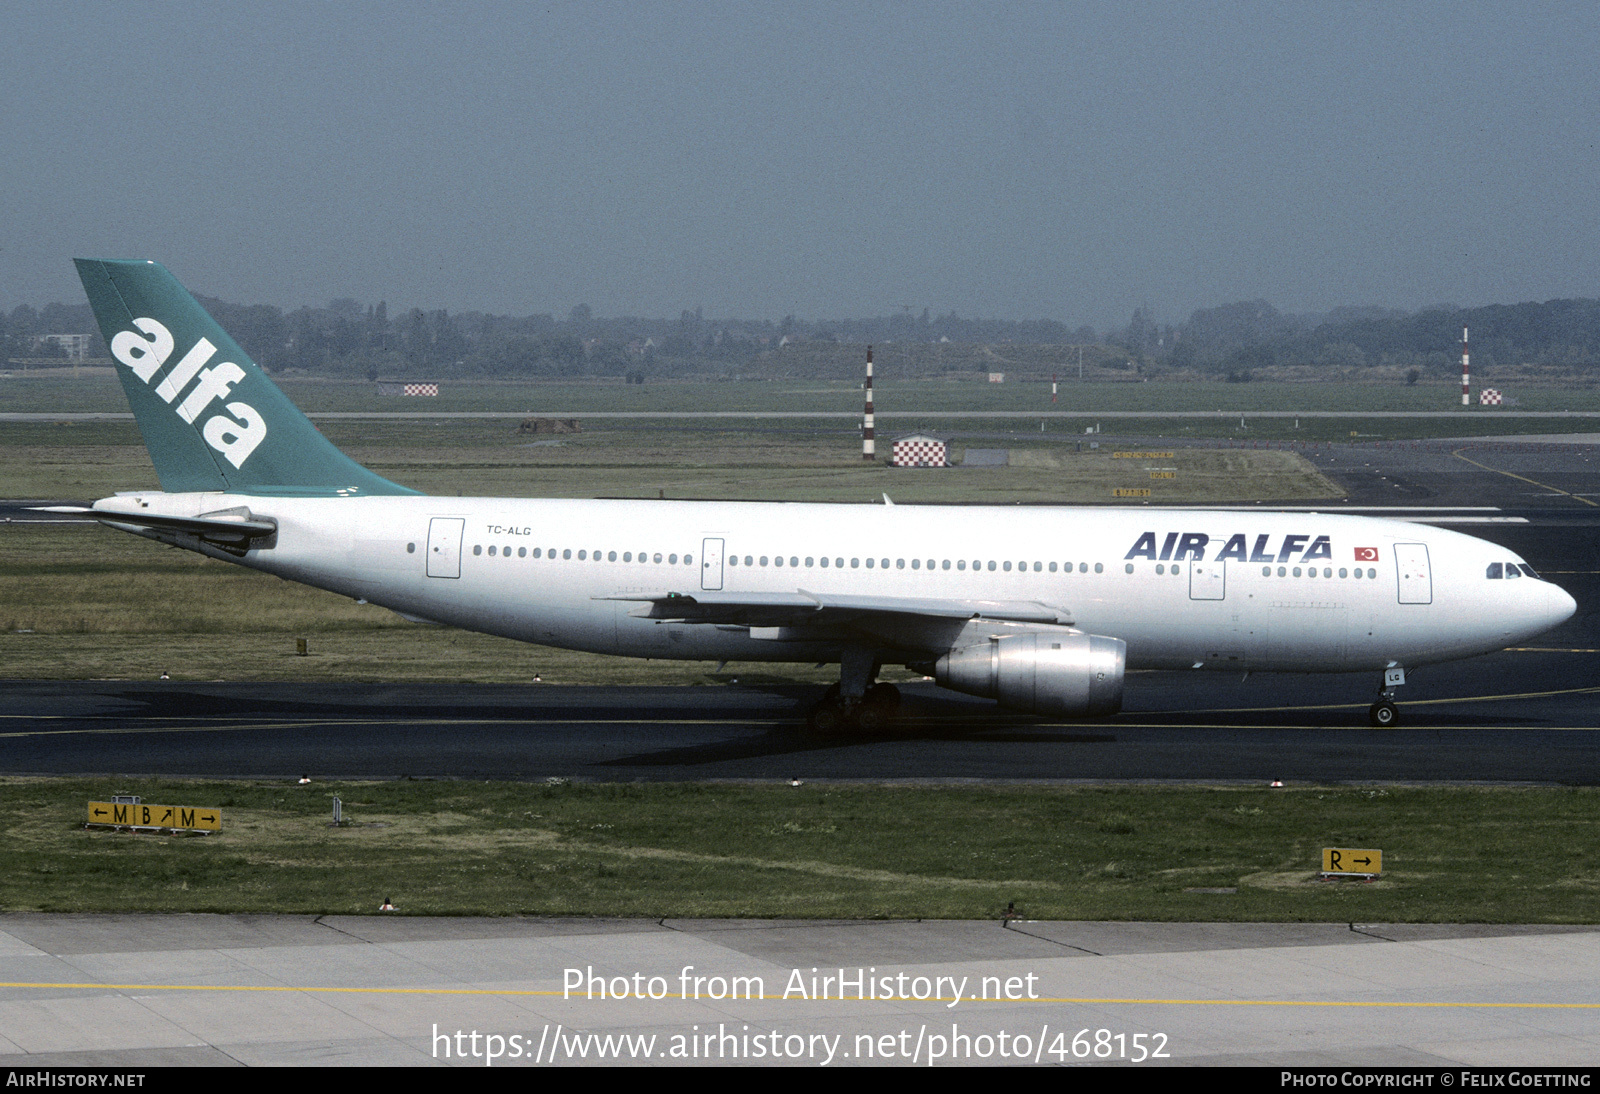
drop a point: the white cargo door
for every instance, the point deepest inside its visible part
(711, 564)
(444, 546)
(1208, 580)
(1416, 580)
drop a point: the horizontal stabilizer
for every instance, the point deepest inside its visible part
(233, 530)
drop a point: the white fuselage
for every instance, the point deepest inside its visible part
(1236, 589)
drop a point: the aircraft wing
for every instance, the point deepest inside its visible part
(803, 609)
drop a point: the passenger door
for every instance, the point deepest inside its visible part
(444, 546)
(1416, 580)
(711, 564)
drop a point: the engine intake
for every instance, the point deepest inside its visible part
(1069, 673)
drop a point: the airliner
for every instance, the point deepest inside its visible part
(1043, 609)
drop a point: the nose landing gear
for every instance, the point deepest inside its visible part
(1384, 714)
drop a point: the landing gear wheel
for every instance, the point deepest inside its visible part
(1384, 714)
(830, 718)
(878, 708)
(872, 718)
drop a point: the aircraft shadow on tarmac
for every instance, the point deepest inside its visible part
(788, 740)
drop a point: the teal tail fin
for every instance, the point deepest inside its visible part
(210, 417)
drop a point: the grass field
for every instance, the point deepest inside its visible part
(490, 458)
(452, 848)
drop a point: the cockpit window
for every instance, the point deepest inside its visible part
(1493, 573)
(1512, 571)
(1525, 568)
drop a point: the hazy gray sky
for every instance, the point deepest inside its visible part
(1070, 160)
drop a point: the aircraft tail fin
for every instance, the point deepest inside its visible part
(210, 417)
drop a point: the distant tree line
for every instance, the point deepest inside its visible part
(1233, 341)
(1239, 340)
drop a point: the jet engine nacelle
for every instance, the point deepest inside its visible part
(1064, 673)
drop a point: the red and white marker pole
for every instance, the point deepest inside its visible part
(867, 447)
(1466, 376)
(1052, 387)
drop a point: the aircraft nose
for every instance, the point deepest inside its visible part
(1559, 605)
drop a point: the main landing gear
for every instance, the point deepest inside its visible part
(855, 702)
(1384, 714)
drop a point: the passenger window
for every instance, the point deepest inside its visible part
(824, 564)
(763, 560)
(1128, 568)
(809, 563)
(1083, 568)
(672, 559)
(747, 561)
(871, 562)
(916, 564)
(961, 564)
(855, 563)
(1343, 572)
(411, 548)
(1098, 568)
(522, 552)
(991, 565)
(1160, 569)
(477, 548)
(885, 564)
(567, 553)
(657, 558)
(1004, 566)
(793, 561)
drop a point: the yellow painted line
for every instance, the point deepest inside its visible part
(1086, 1000)
(1523, 478)
(1408, 702)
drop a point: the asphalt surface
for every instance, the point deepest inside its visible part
(136, 991)
(1523, 715)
